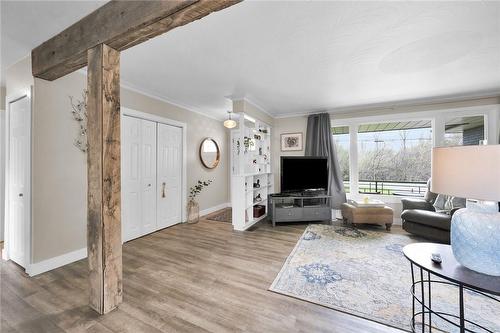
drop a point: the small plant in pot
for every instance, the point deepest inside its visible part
(193, 207)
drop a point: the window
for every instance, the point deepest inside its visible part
(341, 140)
(394, 158)
(392, 154)
(464, 131)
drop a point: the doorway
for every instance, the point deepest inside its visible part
(18, 181)
(153, 173)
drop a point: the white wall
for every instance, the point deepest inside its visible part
(489, 106)
(252, 110)
(18, 80)
(59, 180)
(281, 126)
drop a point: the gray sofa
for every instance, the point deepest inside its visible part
(420, 217)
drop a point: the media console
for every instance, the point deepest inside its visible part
(299, 207)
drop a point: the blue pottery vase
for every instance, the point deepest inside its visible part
(475, 237)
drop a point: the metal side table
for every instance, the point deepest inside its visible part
(452, 273)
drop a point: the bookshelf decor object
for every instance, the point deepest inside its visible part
(251, 176)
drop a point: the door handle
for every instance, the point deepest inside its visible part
(163, 189)
(21, 195)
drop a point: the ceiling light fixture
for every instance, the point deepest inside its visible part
(230, 123)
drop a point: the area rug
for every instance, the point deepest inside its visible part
(221, 216)
(364, 273)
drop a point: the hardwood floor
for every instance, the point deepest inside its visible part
(188, 278)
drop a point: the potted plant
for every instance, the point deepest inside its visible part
(193, 207)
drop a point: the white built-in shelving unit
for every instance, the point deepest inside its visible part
(251, 176)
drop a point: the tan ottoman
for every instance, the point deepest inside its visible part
(359, 215)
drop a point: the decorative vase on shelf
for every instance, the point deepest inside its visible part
(193, 209)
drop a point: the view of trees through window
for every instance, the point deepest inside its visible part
(389, 155)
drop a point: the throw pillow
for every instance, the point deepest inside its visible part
(457, 202)
(443, 203)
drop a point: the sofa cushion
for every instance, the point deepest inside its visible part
(425, 217)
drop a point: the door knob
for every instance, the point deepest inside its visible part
(20, 194)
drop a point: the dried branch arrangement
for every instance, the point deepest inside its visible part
(79, 111)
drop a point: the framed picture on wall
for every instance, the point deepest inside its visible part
(291, 141)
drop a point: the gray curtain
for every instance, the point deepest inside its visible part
(319, 142)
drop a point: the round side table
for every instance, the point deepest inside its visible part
(454, 274)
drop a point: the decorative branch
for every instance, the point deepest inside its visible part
(79, 112)
(195, 190)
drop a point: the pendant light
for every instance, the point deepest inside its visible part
(230, 123)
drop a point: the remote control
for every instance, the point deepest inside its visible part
(436, 257)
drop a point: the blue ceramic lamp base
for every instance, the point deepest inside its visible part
(475, 237)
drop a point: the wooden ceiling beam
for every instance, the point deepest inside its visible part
(120, 25)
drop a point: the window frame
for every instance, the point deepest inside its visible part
(491, 114)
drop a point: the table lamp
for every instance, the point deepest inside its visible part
(472, 172)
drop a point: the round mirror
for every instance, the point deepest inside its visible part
(209, 153)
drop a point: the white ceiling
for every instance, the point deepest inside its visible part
(26, 24)
(299, 57)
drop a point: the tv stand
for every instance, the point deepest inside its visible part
(300, 207)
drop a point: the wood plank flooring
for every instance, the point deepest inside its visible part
(203, 277)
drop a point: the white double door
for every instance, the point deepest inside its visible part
(151, 176)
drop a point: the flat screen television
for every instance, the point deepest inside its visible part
(302, 173)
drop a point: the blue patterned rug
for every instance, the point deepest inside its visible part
(364, 273)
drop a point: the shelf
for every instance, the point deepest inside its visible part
(255, 220)
(260, 188)
(243, 166)
(254, 174)
(255, 189)
(257, 203)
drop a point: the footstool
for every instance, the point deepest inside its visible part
(362, 215)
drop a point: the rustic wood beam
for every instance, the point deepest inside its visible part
(104, 244)
(118, 24)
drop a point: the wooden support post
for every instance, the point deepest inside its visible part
(103, 160)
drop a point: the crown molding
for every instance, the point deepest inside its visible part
(250, 101)
(127, 85)
(396, 106)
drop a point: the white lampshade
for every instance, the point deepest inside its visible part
(471, 172)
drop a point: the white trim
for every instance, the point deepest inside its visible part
(55, 262)
(250, 223)
(254, 104)
(148, 116)
(437, 117)
(214, 209)
(393, 107)
(2, 174)
(129, 86)
(28, 230)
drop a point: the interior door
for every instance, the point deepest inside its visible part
(169, 175)
(131, 177)
(148, 176)
(19, 179)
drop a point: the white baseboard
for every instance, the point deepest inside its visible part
(68, 258)
(214, 209)
(53, 263)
